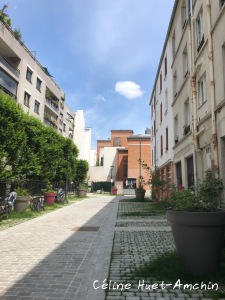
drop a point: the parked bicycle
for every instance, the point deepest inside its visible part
(6, 205)
(37, 203)
(61, 197)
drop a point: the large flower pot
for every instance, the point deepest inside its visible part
(21, 203)
(81, 192)
(49, 198)
(140, 194)
(114, 191)
(198, 238)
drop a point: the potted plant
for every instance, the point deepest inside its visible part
(49, 194)
(22, 199)
(197, 223)
(82, 190)
(114, 190)
(140, 191)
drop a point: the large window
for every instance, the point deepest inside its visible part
(29, 75)
(165, 65)
(161, 145)
(8, 83)
(202, 95)
(38, 84)
(187, 112)
(183, 14)
(166, 101)
(117, 142)
(185, 62)
(36, 107)
(199, 31)
(167, 139)
(26, 100)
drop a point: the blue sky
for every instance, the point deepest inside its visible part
(104, 54)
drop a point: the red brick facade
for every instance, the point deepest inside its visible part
(130, 149)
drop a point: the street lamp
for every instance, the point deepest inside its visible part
(111, 168)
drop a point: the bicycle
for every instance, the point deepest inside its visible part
(4, 209)
(61, 197)
(37, 203)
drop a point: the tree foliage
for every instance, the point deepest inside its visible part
(30, 149)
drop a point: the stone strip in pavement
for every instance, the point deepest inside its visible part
(44, 258)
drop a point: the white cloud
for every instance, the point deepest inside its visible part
(128, 89)
(99, 97)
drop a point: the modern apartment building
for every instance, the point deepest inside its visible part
(196, 40)
(31, 85)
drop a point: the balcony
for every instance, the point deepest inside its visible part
(52, 105)
(7, 92)
(9, 65)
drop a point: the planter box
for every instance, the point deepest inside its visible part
(49, 198)
(21, 203)
(198, 238)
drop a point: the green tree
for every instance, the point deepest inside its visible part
(81, 171)
(12, 136)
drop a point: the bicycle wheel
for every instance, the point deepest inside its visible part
(32, 205)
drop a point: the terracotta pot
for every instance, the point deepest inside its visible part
(21, 203)
(49, 198)
(198, 238)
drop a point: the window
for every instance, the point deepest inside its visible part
(179, 176)
(160, 113)
(26, 100)
(160, 82)
(36, 107)
(165, 65)
(187, 112)
(202, 97)
(166, 101)
(29, 75)
(176, 129)
(38, 84)
(175, 84)
(183, 14)
(173, 44)
(8, 84)
(167, 139)
(117, 142)
(185, 62)
(161, 143)
(199, 33)
(64, 127)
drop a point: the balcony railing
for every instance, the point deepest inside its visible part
(200, 44)
(9, 65)
(51, 105)
(7, 92)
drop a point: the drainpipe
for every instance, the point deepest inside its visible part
(193, 92)
(214, 146)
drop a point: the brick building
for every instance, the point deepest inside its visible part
(118, 158)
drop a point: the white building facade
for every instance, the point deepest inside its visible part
(196, 38)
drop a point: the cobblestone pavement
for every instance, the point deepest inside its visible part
(137, 240)
(59, 255)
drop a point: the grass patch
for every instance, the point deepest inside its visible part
(167, 268)
(19, 217)
(135, 200)
(149, 209)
